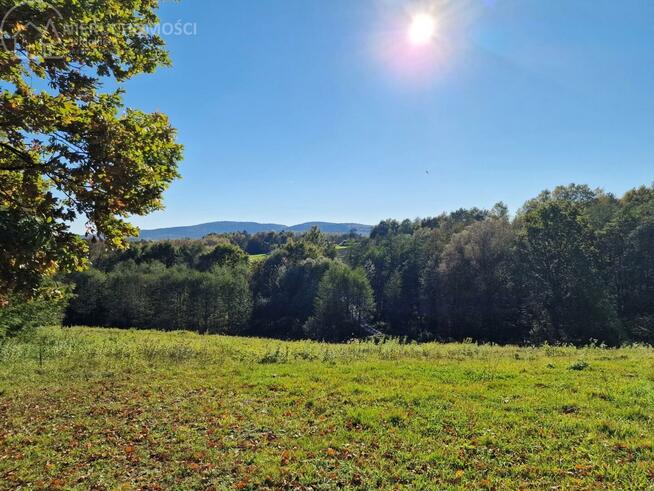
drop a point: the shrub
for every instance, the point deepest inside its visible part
(579, 365)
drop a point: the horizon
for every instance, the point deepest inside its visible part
(512, 212)
(266, 223)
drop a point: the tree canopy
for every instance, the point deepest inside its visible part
(572, 265)
(68, 148)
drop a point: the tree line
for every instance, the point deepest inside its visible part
(572, 265)
(300, 290)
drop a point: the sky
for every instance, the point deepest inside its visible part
(301, 110)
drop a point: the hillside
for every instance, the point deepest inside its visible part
(108, 409)
(225, 227)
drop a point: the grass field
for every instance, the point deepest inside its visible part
(107, 409)
(257, 258)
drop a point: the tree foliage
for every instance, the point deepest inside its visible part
(343, 304)
(67, 148)
(23, 316)
(573, 265)
(563, 272)
(479, 294)
(153, 296)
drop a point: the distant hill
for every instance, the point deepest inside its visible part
(199, 231)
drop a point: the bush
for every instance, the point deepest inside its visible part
(579, 366)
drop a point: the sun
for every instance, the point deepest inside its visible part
(422, 29)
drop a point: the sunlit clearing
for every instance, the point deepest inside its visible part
(422, 29)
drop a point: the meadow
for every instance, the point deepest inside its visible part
(85, 408)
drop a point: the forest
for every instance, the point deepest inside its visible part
(572, 265)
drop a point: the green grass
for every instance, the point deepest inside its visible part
(107, 409)
(257, 258)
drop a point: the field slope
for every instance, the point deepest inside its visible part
(106, 409)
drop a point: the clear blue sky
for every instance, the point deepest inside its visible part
(296, 110)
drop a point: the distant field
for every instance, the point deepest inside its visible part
(107, 409)
(257, 258)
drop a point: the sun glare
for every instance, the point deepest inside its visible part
(422, 29)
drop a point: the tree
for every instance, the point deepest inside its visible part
(224, 254)
(562, 269)
(284, 288)
(86, 307)
(129, 291)
(316, 238)
(22, 316)
(384, 229)
(70, 150)
(217, 302)
(398, 300)
(152, 296)
(627, 242)
(480, 300)
(344, 304)
(233, 309)
(637, 292)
